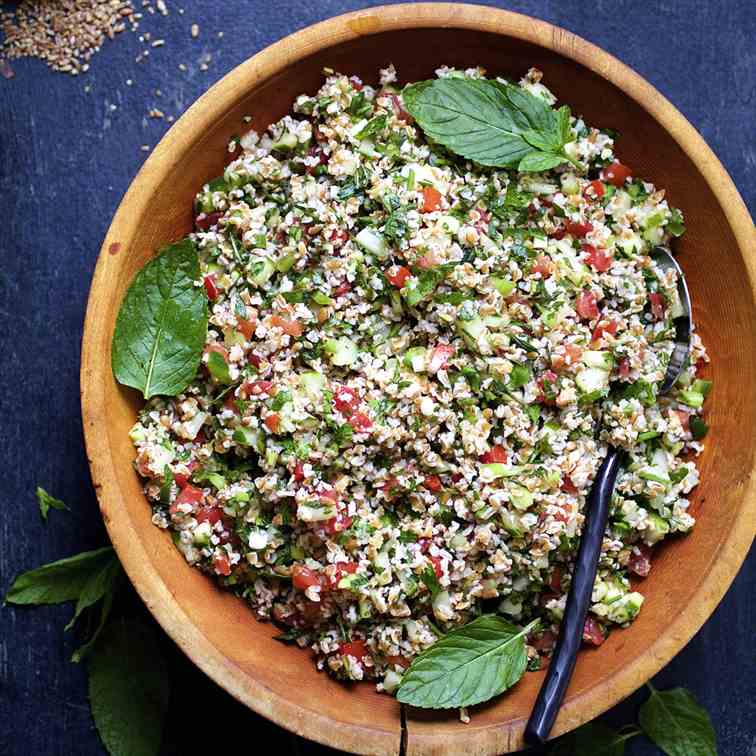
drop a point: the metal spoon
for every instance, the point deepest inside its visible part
(596, 514)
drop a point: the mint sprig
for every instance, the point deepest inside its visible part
(468, 665)
(492, 123)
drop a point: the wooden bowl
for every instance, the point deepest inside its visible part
(217, 631)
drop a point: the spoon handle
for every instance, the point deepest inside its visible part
(571, 631)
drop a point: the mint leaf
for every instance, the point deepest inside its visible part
(469, 665)
(676, 723)
(430, 580)
(676, 225)
(105, 609)
(594, 738)
(218, 368)
(100, 583)
(540, 161)
(161, 326)
(485, 121)
(128, 689)
(47, 502)
(60, 581)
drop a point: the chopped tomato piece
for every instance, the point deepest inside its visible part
(272, 422)
(432, 483)
(255, 360)
(292, 327)
(547, 384)
(299, 472)
(616, 174)
(346, 400)
(397, 275)
(246, 328)
(496, 454)
(329, 494)
(598, 259)
(439, 357)
(566, 356)
(568, 486)
(399, 110)
(183, 478)
(578, 229)
(558, 233)
(358, 649)
(586, 305)
(188, 495)
(398, 661)
(210, 288)
(206, 221)
(339, 237)
(258, 388)
(657, 305)
(211, 514)
(624, 368)
(303, 577)
(437, 566)
(336, 524)
(594, 189)
(640, 562)
(342, 569)
(431, 199)
(592, 632)
(543, 265)
(356, 83)
(424, 544)
(556, 580)
(605, 326)
(343, 288)
(360, 422)
(221, 565)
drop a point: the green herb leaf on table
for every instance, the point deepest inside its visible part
(593, 738)
(129, 689)
(676, 723)
(60, 581)
(101, 582)
(492, 123)
(161, 326)
(47, 502)
(469, 665)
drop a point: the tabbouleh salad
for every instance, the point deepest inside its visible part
(413, 368)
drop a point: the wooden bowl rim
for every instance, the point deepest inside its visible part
(210, 107)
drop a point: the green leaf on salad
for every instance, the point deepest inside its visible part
(676, 723)
(161, 326)
(47, 502)
(469, 665)
(492, 123)
(129, 690)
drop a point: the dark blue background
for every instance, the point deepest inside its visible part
(66, 158)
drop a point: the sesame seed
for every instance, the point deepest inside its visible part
(194, 31)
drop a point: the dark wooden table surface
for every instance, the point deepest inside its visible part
(69, 148)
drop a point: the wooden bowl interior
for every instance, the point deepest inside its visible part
(363, 720)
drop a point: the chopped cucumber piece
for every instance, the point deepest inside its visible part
(656, 528)
(503, 286)
(592, 379)
(285, 143)
(415, 359)
(493, 470)
(598, 359)
(342, 352)
(260, 271)
(372, 241)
